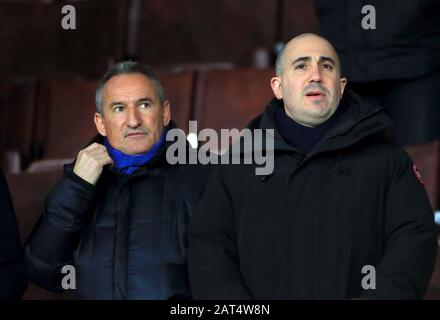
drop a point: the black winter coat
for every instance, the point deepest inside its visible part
(13, 279)
(126, 236)
(308, 229)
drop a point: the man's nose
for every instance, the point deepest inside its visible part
(315, 74)
(134, 119)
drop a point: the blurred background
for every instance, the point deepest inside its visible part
(215, 59)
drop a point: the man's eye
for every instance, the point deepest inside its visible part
(327, 66)
(144, 105)
(118, 109)
(300, 66)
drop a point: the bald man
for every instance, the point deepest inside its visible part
(342, 215)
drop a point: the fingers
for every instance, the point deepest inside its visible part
(96, 152)
(90, 162)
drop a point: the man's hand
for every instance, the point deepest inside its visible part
(90, 162)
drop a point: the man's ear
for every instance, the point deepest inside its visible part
(343, 84)
(275, 83)
(166, 113)
(99, 123)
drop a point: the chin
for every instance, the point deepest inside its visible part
(317, 119)
(138, 150)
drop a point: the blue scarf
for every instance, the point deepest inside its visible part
(128, 164)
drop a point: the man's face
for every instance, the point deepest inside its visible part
(133, 117)
(310, 85)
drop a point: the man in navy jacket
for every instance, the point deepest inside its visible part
(119, 214)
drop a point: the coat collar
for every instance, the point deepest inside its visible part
(357, 122)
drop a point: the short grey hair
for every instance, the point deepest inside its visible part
(279, 63)
(127, 67)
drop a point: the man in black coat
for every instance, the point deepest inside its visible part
(342, 215)
(13, 279)
(115, 225)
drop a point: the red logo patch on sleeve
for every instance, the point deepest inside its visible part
(417, 174)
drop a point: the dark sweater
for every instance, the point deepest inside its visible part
(299, 136)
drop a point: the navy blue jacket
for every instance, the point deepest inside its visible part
(12, 272)
(126, 236)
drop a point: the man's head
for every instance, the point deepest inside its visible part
(308, 79)
(132, 110)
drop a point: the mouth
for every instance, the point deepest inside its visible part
(135, 134)
(315, 94)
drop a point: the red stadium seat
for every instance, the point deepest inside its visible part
(35, 26)
(298, 16)
(28, 193)
(5, 90)
(175, 31)
(179, 89)
(65, 125)
(17, 112)
(231, 98)
(427, 159)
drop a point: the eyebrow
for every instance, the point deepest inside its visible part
(327, 59)
(145, 99)
(321, 59)
(117, 103)
(301, 59)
